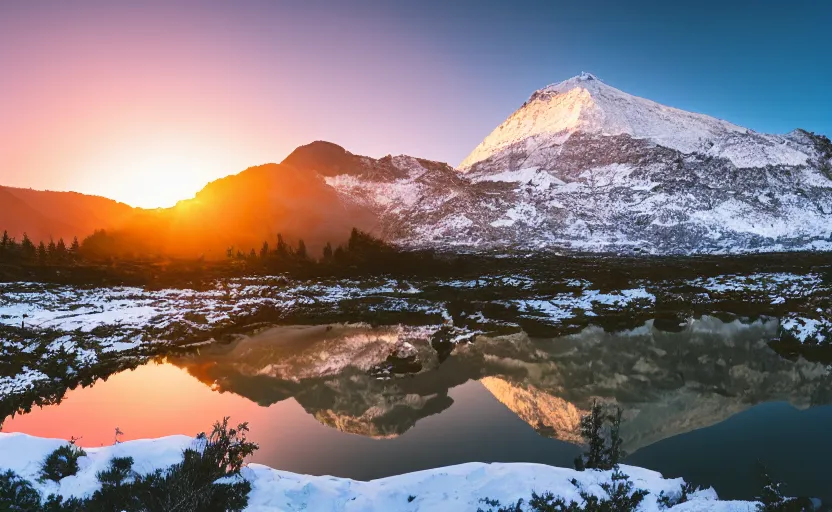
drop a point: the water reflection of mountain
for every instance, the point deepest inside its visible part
(667, 382)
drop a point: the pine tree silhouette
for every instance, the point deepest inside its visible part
(328, 252)
(75, 249)
(60, 250)
(614, 453)
(51, 248)
(282, 249)
(42, 254)
(592, 426)
(301, 252)
(27, 248)
(264, 251)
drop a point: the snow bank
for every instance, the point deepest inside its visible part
(453, 488)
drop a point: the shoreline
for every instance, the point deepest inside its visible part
(451, 488)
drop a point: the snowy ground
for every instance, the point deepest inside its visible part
(452, 489)
(81, 328)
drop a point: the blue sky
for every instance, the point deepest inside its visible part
(764, 65)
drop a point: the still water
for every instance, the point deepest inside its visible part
(704, 403)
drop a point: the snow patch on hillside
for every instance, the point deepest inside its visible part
(446, 489)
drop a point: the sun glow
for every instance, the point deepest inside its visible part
(158, 172)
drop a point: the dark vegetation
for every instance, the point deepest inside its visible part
(62, 462)
(772, 499)
(601, 430)
(17, 494)
(824, 148)
(91, 262)
(188, 486)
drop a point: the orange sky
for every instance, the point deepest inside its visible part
(147, 104)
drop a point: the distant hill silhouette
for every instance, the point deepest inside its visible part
(46, 214)
(242, 210)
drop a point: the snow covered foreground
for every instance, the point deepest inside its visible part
(453, 488)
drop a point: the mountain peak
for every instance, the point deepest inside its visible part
(585, 80)
(586, 104)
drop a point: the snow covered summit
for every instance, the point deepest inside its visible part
(582, 166)
(586, 104)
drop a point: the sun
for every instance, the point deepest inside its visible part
(161, 179)
(156, 172)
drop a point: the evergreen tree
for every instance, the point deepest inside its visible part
(301, 252)
(328, 252)
(282, 249)
(27, 248)
(6, 246)
(339, 255)
(60, 250)
(51, 250)
(614, 453)
(229, 253)
(592, 426)
(264, 251)
(42, 254)
(75, 249)
(252, 255)
(354, 241)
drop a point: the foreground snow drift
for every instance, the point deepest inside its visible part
(454, 488)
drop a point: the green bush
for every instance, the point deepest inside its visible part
(17, 494)
(61, 463)
(188, 486)
(620, 498)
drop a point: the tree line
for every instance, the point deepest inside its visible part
(361, 251)
(44, 253)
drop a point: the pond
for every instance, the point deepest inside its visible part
(705, 401)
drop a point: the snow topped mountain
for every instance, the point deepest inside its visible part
(586, 104)
(582, 166)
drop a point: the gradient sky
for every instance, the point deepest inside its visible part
(147, 101)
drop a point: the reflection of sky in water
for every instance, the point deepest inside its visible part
(158, 400)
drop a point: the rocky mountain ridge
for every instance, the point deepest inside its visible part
(579, 167)
(584, 167)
